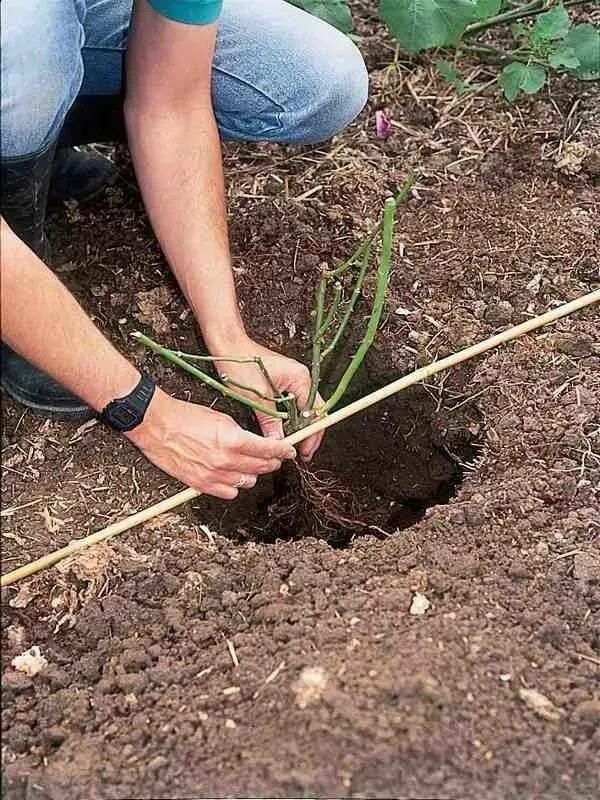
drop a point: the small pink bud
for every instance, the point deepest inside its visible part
(383, 126)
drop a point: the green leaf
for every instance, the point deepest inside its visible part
(563, 56)
(335, 12)
(519, 29)
(554, 24)
(518, 77)
(484, 9)
(585, 41)
(449, 73)
(421, 24)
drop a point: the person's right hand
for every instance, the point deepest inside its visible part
(205, 449)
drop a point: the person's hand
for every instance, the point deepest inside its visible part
(205, 449)
(287, 375)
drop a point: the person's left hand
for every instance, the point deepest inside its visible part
(287, 376)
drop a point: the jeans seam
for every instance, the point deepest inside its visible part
(280, 109)
(104, 49)
(49, 142)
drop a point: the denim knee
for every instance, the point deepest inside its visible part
(333, 90)
(42, 71)
(283, 75)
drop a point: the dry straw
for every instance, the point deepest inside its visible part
(321, 424)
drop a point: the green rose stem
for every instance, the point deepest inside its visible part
(366, 244)
(315, 371)
(295, 420)
(356, 255)
(234, 360)
(330, 316)
(383, 278)
(350, 306)
(170, 355)
(363, 252)
(242, 387)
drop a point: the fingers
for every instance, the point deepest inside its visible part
(264, 447)
(309, 446)
(257, 466)
(271, 427)
(222, 491)
(239, 479)
(226, 485)
(208, 450)
(215, 483)
(299, 385)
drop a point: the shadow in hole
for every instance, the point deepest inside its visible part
(382, 468)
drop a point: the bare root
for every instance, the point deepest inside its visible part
(311, 503)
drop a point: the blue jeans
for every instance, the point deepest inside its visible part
(279, 74)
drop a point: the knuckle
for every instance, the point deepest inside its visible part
(235, 439)
(270, 455)
(271, 465)
(227, 431)
(196, 478)
(220, 460)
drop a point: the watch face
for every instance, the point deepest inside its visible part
(126, 413)
(123, 415)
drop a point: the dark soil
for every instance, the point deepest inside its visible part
(220, 651)
(383, 470)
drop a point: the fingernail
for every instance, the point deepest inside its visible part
(291, 453)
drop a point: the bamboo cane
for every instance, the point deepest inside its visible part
(319, 425)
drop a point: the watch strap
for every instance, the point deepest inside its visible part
(126, 413)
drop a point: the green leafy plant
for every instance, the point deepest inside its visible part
(422, 24)
(550, 43)
(451, 75)
(336, 298)
(335, 12)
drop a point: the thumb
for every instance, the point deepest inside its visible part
(271, 427)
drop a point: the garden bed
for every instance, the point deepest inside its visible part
(178, 654)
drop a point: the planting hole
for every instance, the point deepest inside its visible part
(377, 472)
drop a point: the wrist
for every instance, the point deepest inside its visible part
(127, 412)
(154, 423)
(226, 341)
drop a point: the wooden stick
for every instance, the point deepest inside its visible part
(100, 536)
(319, 425)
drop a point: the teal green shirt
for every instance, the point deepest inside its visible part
(193, 12)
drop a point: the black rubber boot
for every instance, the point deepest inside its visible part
(24, 184)
(37, 391)
(24, 187)
(81, 176)
(78, 175)
(94, 118)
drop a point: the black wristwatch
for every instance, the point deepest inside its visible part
(126, 413)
